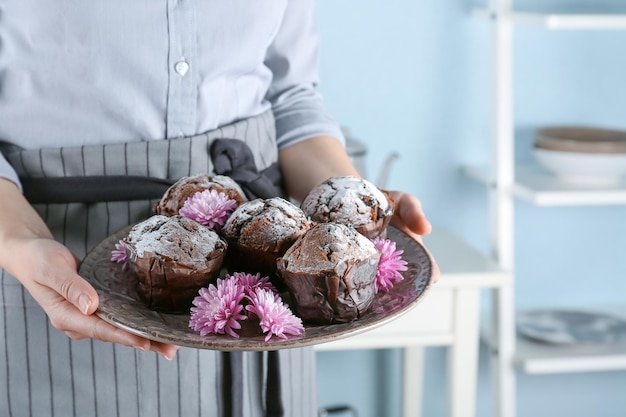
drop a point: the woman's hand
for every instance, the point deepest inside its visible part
(48, 270)
(410, 218)
(310, 162)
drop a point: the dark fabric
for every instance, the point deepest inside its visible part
(236, 383)
(228, 396)
(62, 190)
(273, 390)
(235, 159)
(231, 157)
(233, 383)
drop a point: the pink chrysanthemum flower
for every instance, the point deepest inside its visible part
(218, 308)
(251, 282)
(389, 266)
(119, 255)
(209, 207)
(274, 316)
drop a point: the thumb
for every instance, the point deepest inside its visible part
(72, 286)
(87, 299)
(409, 214)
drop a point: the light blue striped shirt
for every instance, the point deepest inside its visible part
(107, 71)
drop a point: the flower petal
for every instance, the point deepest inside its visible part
(209, 207)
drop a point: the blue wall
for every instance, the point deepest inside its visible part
(413, 76)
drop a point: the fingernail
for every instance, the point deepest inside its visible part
(84, 302)
(141, 348)
(165, 357)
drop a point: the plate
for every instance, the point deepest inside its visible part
(571, 327)
(121, 306)
(583, 168)
(581, 139)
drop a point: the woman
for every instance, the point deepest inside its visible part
(141, 89)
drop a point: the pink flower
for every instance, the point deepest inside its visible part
(251, 282)
(389, 266)
(119, 255)
(275, 317)
(209, 207)
(218, 308)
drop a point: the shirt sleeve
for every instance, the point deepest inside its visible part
(7, 171)
(293, 58)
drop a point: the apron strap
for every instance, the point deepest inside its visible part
(233, 385)
(231, 157)
(93, 189)
(273, 392)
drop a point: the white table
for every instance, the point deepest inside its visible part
(449, 316)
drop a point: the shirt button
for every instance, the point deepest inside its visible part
(181, 67)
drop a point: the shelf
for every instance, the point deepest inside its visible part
(542, 358)
(556, 21)
(534, 358)
(535, 185)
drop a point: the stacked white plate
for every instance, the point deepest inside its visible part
(582, 154)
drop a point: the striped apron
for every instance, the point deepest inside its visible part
(45, 373)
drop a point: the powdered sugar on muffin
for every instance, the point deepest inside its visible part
(261, 230)
(172, 258)
(266, 224)
(177, 238)
(351, 201)
(328, 245)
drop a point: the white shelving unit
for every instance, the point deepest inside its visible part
(505, 182)
(538, 187)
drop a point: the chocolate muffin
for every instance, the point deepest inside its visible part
(258, 232)
(350, 201)
(173, 257)
(174, 198)
(330, 273)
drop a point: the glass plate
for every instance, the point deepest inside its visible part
(121, 306)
